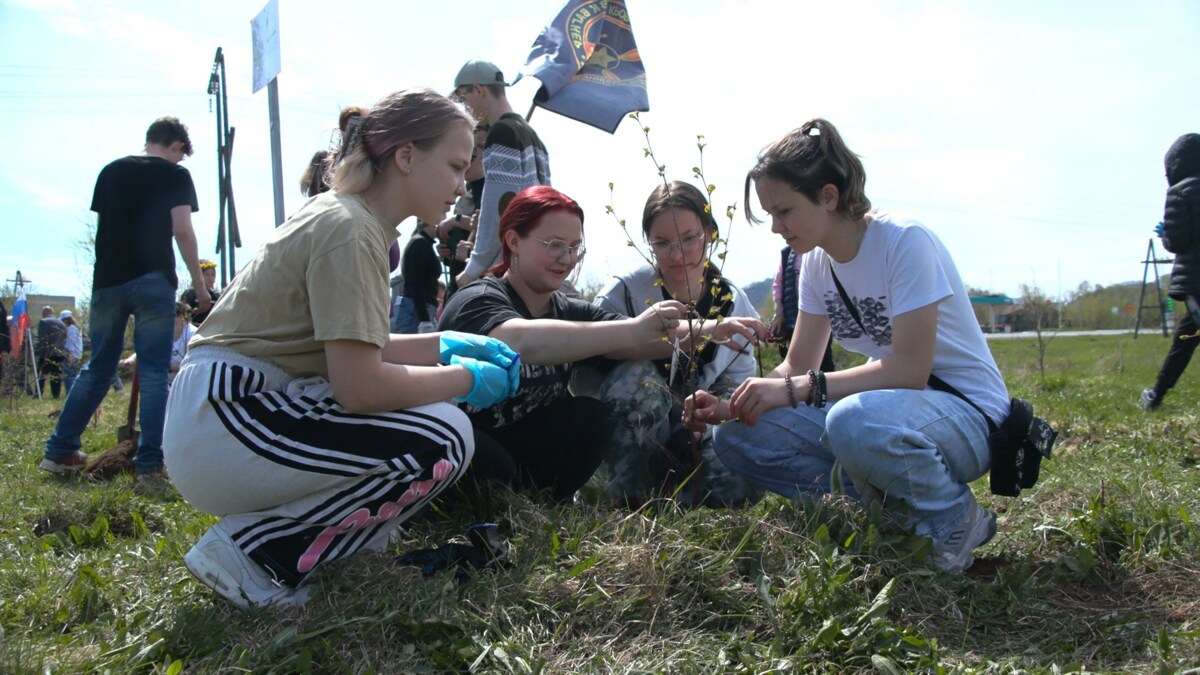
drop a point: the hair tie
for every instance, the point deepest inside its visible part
(353, 135)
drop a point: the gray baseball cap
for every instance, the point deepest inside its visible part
(479, 72)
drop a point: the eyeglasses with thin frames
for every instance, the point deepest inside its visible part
(689, 244)
(558, 249)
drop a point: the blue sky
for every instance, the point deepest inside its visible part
(1028, 135)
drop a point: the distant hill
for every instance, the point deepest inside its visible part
(1088, 307)
(759, 293)
(1115, 306)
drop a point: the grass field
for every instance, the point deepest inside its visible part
(1096, 569)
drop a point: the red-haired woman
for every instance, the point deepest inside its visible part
(542, 438)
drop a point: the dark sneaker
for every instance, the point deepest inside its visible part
(219, 564)
(153, 483)
(1150, 400)
(954, 553)
(74, 462)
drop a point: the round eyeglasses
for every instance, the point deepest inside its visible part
(689, 244)
(559, 249)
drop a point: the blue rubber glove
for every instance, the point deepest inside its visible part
(492, 383)
(480, 347)
(1158, 229)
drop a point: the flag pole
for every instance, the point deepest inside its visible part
(532, 107)
(37, 383)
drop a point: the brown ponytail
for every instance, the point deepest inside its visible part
(808, 159)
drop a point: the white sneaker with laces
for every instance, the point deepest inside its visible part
(219, 564)
(954, 553)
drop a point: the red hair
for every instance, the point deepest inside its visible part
(525, 211)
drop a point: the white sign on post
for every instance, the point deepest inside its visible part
(265, 34)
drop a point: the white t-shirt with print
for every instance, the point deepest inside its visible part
(902, 266)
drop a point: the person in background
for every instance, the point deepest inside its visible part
(74, 348)
(514, 158)
(312, 181)
(910, 427)
(5, 346)
(1181, 236)
(51, 351)
(297, 417)
(208, 269)
(421, 269)
(141, 202)
(456, 234)
(785, 290)
(441, 299)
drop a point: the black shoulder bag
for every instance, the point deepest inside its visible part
(1017, 444)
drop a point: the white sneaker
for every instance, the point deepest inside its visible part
(954, 553)
(219, 564)
(1150, 400)
(76, 461)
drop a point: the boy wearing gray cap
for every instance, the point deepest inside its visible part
(514, 158)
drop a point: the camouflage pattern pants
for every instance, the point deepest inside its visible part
(650, 444)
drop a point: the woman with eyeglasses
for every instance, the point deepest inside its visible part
(651, 451)
(543, 438)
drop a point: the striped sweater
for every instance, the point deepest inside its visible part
(513, 159)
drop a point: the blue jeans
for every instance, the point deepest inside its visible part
(70, 372)
(405, 319)
(916, 451)
(150, 299)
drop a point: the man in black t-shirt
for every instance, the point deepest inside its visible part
(142, 202)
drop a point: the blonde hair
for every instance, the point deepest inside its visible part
(809, 158)
(417, 116)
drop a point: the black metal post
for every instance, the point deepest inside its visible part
(228, 237)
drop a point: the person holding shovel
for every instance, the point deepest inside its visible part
(141, 202)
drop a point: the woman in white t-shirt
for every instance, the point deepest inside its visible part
(297, 417)
(74, 349)
(885, 287)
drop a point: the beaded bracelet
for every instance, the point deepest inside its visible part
(787, 379)
(822, 396)
(812, 389)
